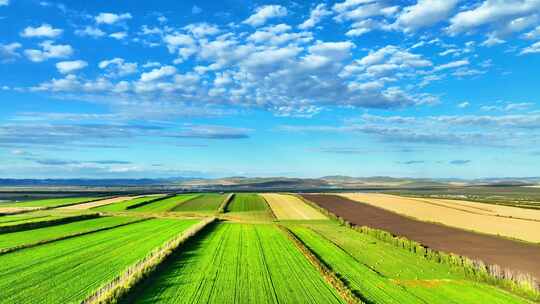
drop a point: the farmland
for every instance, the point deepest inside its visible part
(44, 203)
(166, 204)
(258, 248)
(247, 202)
(54, 270)
(288, 207)
(375, 270)
(506, 221)
(238, 263)
(208, 202)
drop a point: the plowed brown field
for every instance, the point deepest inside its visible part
(510, 254)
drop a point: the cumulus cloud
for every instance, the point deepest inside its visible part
(118, 67)
(158, 73)
(48, 50)
(43, 31)
(532, 49)
(264, 13)
(8, 52)
(4, 2)
(90, 31)
(118, 35)
(111, 18)
(67, 67)
(315, 16)
(492, 13)
(424, 13)
(452, 65)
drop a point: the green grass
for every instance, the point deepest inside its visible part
(15, 239)
(166, 204)
(124, 205)
(53, 202)
(382, 273)
(68, 271)
(247, 202)
(205, 202)
(237, 263)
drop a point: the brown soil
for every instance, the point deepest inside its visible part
(515, 255)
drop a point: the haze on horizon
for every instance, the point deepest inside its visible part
(123, 89)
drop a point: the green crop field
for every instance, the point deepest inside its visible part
(19, 238)
(124, 205)
(18, 218)
(53, 202)
(166, 204)
(69, 270)
(9, 221)
(204, 202)
(238, 263)
(382, 273)
(247, 202)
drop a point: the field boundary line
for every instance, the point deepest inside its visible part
(269, 208)
(117, 288)
(327, 273)
(195, 196)
(226, 203)
(149, 201)
(69, 236)
(41, 224)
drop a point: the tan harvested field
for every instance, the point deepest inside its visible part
(16, 209)
(288, 207)
(451, 213)
(99, 203)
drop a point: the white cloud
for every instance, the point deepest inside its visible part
(49, 50)
(195, 10)
(8, 52)
(464, 105)
(264, 13)
(534, 34)
(425, 13)
(118, 35)
(315, 16)
(118, 67)
(4, 2)
(43, 31)
(202, 29)
(492, 12)
(156, 74)
(452, 65)
(111, 18)
(532, 49)
(67, 67)
(90, 31)
(492, 40)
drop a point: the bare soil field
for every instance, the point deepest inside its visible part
(515, 255)
(99, 203)
(288, 207)
(512, 222)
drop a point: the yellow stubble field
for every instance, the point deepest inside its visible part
(511, 222)
(289, 207)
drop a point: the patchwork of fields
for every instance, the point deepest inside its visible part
(264, 248)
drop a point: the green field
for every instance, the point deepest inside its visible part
(124, 205)
(67, 271)
(19, 218)
(205, 202)
(238, 263)
(166, 204)
(381, 273)
(15, 239)
(53, 202)
(9, 221)
(247, 202)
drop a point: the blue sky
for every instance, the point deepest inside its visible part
(428, 88)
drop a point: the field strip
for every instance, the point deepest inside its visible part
(40, 222)
(51, 273)
(163, 204)
(288, 207)
(514, 255)
(346, 293)
(207, 202)
(10, 242)
(53, 202)
(118, 287)
(226, 203)
(99, 203)
(237, 263)
(525, 230)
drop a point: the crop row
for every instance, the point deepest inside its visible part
(237, 263)
(243, 202)
(39, 222)
(202, 203)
